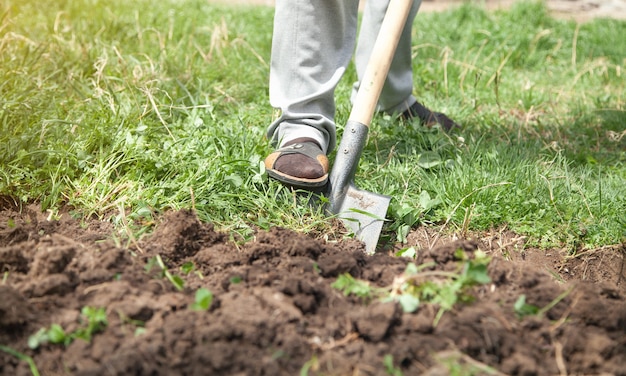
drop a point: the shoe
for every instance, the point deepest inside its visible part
(300, 163)
(428, 117)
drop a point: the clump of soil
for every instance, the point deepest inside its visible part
(274, 311)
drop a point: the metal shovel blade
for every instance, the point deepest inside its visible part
(364, 213)
(361, 211)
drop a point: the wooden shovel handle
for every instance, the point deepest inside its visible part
(378, 65)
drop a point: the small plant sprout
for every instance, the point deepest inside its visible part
(235, 280)
(94, 320)
(351, 286)
(523, 309)
(178, 282)
(203, 300)
(138, 325)
(187, 267)
(415, 286)
(453, 288)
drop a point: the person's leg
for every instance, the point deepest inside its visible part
(396, 96)
(312, 45)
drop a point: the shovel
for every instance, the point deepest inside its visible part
(361, 211)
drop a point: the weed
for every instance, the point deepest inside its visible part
(411, 288)
(351, 286)
(94, 320)
(415, 286)
(175, 280)
(407, 216)
(523, 309)
(187, 267)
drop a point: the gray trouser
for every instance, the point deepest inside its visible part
(312, 45)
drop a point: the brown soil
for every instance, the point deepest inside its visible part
(275, 312)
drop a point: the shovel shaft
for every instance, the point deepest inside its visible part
(371, 84)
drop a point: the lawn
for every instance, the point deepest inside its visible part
(114, 107)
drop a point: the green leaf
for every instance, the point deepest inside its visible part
(460, 254)
(426, 202)
(234, 180)
(178, 282)
(409, 302)
(160, 262)
(95, 315)
(477, 274)
(311, 364)
(411, 268)
(37, 339)
(350, 286)
(402, 233)
(56, 334)
(235, 280)
(429, 159)
(187, 267)
(144, 212)
(407, 252)
(447, 297)
(429, 290)
(151, 262)
(96, 322)
(203, 300)
(408, 214)
(523, 309)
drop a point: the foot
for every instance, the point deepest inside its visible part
(428, 117)
(300, 163)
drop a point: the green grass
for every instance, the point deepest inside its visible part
(123, 110)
